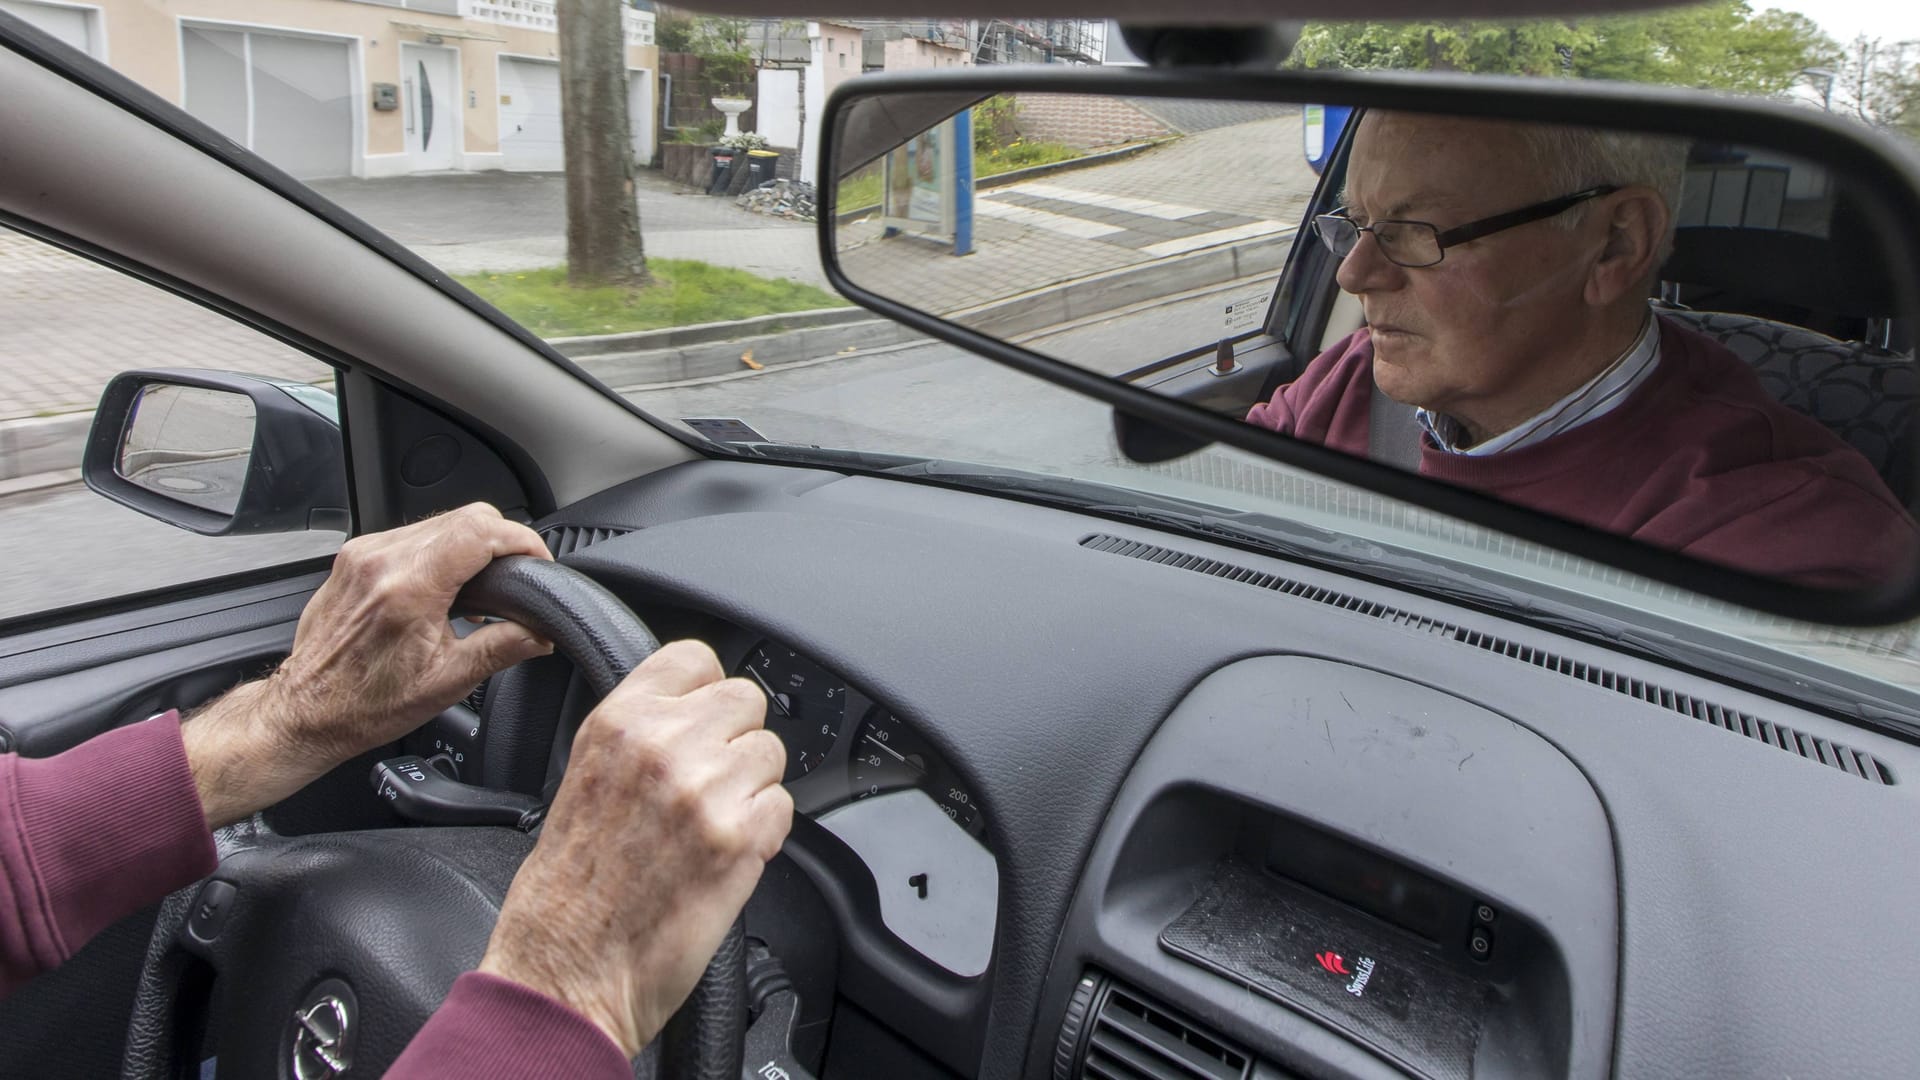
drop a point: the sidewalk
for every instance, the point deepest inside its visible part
(1232, 185)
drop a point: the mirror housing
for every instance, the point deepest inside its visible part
(1883, 177)
(292, 479)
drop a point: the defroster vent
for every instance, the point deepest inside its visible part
(564, 540)
(1112, 1033)
(1835, 755)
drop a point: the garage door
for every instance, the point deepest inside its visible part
(71, 25)
(287, 98)
(530, 115)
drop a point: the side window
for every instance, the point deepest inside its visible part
(67, 326)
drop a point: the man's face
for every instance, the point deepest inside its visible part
(1483, 325)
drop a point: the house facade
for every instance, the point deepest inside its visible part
(327, 88)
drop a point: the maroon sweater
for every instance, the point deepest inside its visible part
(1699, 459)
(115, 824)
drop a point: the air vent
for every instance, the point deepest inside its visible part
(1813, 748)
(564, 540)
(1129, 1038)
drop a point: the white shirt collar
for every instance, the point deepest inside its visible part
(1599, 396)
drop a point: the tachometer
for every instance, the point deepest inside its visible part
(887, 755)
(806, 705)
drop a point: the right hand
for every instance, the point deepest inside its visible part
(669, 811)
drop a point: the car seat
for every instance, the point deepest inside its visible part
(1862, 393)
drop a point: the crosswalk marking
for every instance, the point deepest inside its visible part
(1041, 219)
(1149, 207)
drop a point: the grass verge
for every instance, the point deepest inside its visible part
(684, 292)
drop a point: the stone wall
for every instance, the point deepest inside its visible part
(1084, 121)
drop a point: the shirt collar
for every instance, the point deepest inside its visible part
(1597, 397)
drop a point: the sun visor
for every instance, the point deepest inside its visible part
(876, 125)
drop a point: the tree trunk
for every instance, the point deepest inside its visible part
(603, 218)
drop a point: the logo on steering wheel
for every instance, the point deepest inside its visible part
(320, 1047)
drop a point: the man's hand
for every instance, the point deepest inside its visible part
(374, 657)
(670, 809)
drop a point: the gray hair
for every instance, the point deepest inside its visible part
(1573, 159)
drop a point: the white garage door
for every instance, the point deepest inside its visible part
(287, 98)
(530, 115)
(71, 25)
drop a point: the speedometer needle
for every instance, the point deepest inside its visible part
(771, 696)
(897, 755)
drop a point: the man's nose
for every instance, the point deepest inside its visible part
(1366, 269)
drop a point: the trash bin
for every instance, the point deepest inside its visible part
(762, 166)
(722, 178)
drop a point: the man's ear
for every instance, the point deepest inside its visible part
(1634, 221)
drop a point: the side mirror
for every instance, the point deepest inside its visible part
(220, 453)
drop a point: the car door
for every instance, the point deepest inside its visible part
(109, 617)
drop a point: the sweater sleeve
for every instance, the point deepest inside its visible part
(490, 1027)
(90, 836)
(1332, 400)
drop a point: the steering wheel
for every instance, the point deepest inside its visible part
(304, 957)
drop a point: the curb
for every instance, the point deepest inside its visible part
(56, 443)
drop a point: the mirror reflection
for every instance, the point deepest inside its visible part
(1694, 344)
(189, 444)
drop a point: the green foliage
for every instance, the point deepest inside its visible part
(673, 32)
(993, 123)
(1721, 45)
(1020, 154)
(720, 43)
(683, 292)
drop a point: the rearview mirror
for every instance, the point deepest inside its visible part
(1671, 332)
(219, 453)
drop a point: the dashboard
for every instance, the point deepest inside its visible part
(1251, 818)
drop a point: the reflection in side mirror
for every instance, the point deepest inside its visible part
(219, 453)
(190, 444)
(1697, 335)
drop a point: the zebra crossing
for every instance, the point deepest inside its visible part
(1151, 227)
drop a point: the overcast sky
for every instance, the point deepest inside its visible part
(1894, 20)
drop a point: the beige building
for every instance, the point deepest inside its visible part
(356, 87)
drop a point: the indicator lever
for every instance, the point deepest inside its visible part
(420, 793)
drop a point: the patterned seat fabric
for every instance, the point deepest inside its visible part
(1864, 394)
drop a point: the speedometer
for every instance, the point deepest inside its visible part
(806, 705)
(887, 755)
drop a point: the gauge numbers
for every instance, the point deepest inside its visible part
(806, 705)
(887, 755)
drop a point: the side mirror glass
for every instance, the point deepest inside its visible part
(189, 444)
(219, 453)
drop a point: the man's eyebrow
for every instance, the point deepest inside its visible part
(1434, 199)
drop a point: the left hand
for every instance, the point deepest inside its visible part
(374, 657)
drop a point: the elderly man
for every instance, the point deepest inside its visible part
(1504, 270)
(594, 948)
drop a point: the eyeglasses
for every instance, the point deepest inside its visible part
(1415, 244)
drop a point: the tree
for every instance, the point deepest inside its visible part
(603, 214)
(1721, 45)
(1879, 82)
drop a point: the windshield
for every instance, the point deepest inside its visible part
(688, 279)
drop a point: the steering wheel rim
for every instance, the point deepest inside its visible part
(423, 874)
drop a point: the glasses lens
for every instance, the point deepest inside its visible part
(1337, 233)
(1408, 243)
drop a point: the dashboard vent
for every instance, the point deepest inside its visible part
(564, 540)
(1813, 748)
(1115, 1034)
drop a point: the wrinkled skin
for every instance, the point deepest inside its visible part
(670, 809)
(1507, 324)
(374, 657)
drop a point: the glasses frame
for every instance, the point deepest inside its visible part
(1472, 230)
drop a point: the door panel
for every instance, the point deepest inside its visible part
(432, 92)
